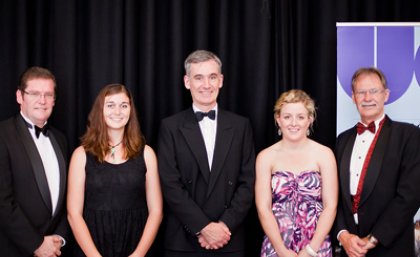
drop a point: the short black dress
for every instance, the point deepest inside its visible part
(115, 208)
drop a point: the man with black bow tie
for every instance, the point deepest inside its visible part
(206, 165)
(33, 165)
(379, 171)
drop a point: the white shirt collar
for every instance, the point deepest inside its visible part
(376, 122)
(29, 121)
(196, 109)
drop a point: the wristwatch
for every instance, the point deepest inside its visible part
(372, 239)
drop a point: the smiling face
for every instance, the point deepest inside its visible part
(116, 110)
(294, 121)
(37, 100)
(370, 97)
(204, 81)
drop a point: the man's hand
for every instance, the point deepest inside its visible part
(50, 247)
(214, 236)
(203, 242)
(369, 244)
(353, 245)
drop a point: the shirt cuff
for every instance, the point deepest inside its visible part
(338, 235)
(63, 241)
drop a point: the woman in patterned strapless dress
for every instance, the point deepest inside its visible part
(296, 190)
(114, 200)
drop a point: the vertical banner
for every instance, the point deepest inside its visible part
(394, 49)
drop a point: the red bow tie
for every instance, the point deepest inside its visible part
(362, 128)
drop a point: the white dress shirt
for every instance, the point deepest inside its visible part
(208, 130)
(49, 161)
(360, 149)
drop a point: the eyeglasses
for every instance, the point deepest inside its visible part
(38, 95)
(372, 92)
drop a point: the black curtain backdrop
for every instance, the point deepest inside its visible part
(266, 46)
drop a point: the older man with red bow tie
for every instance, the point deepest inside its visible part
(379, 172)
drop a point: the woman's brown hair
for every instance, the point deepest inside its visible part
(96, 141)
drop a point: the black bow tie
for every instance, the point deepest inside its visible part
(200, 115)
(43, 130)
(362, 128)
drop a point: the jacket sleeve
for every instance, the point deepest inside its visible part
(13, 222)
(402, 208)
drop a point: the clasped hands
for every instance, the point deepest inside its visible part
(354, 245)
(50, 247)
(214, 236)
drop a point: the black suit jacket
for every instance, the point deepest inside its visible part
(25, 202)
(390, 196)
(196, 196)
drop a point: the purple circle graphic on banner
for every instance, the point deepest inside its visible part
(355, 49)
(394, 55)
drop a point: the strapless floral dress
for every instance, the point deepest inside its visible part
(297, 205)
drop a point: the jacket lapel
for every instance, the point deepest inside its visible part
(345, 168)
(35, 159)
(62, 169)
(376, 161)
(224, 137)
(192, 134)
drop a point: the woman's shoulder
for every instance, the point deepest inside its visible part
(269, 152)
(322, 153)
(148, 149)
(318, 147)
(79, 152)
(78, 158)
(149, 153)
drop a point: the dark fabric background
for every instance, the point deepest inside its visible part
(267, 47)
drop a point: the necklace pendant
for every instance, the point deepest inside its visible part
(113, 153)
(112, 149)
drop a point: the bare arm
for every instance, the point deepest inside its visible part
(263, 200)
(329, 187)
(154, 203)
(75, 201)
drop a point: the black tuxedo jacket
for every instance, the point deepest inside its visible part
(391, 190)
(25, 202)
(196, 196)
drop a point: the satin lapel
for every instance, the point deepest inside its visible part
(36, 162)
(62, 169)
(194, 138)
(345, 168)
(376, 161)
(224, 137)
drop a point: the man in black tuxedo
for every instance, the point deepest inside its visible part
(379, 171)
(33, 220)
(207, 169)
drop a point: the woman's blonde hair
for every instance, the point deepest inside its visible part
(295, 96)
